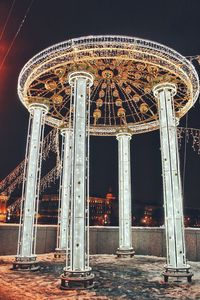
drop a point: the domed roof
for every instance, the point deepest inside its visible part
(125, 69)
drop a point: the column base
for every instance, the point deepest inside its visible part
(74, 280)
(178, 273)
(122, 253)
(60, 253)
(25, 263)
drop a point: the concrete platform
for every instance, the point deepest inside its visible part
(135, 278)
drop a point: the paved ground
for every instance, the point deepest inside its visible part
(136, 278)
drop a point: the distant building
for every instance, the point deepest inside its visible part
(148, 215)
(101, 210)
(48, 209)
(153, 216)
(3, 207)
(191, 217)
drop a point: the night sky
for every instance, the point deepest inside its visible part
(173, 23)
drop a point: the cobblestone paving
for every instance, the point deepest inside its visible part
(136, 278)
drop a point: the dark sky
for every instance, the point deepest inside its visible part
(174, 23)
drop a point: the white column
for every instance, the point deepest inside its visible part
(26, 246)
(174, 224)
(63, 216)
(78, 240)
(125, 232)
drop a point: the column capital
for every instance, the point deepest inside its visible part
(64, 129)
(124, 132)
(164, 86)
(81, 74)
(38, 102)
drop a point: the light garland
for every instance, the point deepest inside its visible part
(15, 178)
(189, 133)
(15, 207)
(194, 57)
(15, 184)
(125, 69)
(7, 181)
(45, 182)
(50, 177)
(51, 143)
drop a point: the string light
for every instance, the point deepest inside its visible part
(50, 178)
(51, 143)
(194, 57)
(8, 180)
(124, 68)
(15, 178)
(189, 133)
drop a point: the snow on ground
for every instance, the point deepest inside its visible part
(136, 278)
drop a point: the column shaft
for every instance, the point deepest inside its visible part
(31, 181)
(77, 272)
(125, 232)
(174, 224)
(80, 167)
(63, 218)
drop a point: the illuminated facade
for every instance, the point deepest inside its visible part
(3, 209)
(102, 210)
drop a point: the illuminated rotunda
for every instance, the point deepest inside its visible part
(104, 86)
